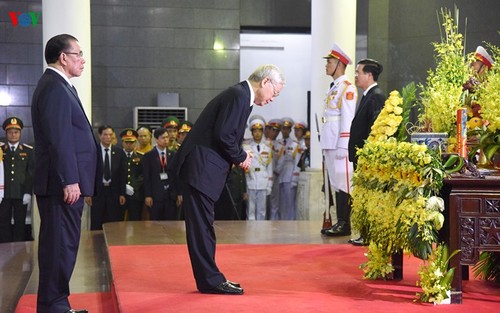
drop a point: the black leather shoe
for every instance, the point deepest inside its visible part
(334, 227)
(235, 284)
(340, 231)
(225, 288)
(358, 242)
(77, 311)
(352, 239)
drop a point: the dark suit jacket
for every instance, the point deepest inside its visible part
(118, 168)
(366, 114)
(214, 142)
(18, 171)
(65, 148)
(153, 185)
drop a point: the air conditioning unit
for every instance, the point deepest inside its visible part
(152, 116)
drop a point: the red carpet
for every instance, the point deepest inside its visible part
(276, 278)
(99, 302)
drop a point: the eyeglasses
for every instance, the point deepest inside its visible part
(78, 54)
(275, 94)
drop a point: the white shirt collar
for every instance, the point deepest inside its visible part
(370, 87)
(252, 94)
(160, 151)
(61, 74)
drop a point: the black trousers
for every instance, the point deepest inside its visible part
(57, 249)
(343, 207)
(134, 208)
(164, 209)
(12, 208)
(199, 217)
(105, 208)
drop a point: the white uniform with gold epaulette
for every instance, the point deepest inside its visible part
(274, 199)
(339, 110)
(259, 179)
(288, 178)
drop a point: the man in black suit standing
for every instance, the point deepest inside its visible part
(66, 162)
(372, 102)
(203, 163)
(160, 194)
(108, 204)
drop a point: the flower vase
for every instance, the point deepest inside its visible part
(495, 160)
(445, 301)
(435, 141)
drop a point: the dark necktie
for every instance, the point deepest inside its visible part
(107, 170)
(258, 148)
(13, 148)
(129, 154)
(163, 161)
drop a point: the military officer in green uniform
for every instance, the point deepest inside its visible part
(135, 180)
(171, 123)
(184, 129)
(18, 175)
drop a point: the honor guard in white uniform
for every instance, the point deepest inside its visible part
(273, 203)
(339, 110)
(299, 130)
(260, 174)
(287, 167)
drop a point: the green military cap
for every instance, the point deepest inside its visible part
(129, 134)
(12, 122)
(170, 122)
(185, 127)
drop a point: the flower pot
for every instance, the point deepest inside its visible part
(447, 300)
(495, 160)
(435, 141)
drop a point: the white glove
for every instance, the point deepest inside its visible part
(26, 198)
(341, 153)
(269, 190)
(129, 190)
(1, 198)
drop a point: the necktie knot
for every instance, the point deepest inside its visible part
(12, 148)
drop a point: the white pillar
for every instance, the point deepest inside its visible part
(72, 17)
(69, 17)
(331, 21)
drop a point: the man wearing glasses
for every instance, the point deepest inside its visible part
(204, 160)
(66, 161)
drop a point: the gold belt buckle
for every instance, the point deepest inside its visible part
(323, 119)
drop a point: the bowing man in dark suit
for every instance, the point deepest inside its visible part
(66, 162)
(159, 190)
(372, 102)
(107, 205)
(203, 163)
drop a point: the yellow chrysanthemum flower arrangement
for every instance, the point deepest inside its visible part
(394, 204)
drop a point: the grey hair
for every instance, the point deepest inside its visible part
(267, 70)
